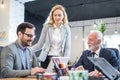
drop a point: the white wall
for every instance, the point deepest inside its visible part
(4, 20)
(10, 16)
(16, 15)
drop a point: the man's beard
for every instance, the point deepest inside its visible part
(26, 43)
(93, 47)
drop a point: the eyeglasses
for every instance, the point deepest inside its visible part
(30, 35)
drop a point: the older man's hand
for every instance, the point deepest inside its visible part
(79, 68)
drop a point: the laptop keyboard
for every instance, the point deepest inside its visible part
(97, 78)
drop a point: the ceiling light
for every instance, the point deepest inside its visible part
(95, 24)
(116, 32)
(2, 5)
(116, 27)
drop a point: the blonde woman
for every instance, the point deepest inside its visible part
(55, 39)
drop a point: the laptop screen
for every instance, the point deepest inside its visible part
(105, 68)
(50, 67)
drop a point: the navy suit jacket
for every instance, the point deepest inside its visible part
(108, 54)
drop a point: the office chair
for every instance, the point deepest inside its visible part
(0, 59)
(117, 54)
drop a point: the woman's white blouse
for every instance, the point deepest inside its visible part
(56, 48)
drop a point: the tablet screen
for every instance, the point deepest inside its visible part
(105, 67)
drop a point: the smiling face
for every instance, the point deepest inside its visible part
(58, 16)
(27, 37)
(93, 41)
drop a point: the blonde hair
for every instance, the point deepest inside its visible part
(50, 17)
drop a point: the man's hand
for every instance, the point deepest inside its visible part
(37, 70)
(95, 73)
(79, 68)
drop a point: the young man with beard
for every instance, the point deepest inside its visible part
(94, 43)
(17, 60)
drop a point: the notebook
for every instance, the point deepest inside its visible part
(105, 68)
(50, 67)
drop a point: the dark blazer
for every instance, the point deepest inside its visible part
(109, 55)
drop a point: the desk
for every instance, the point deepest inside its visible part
(25, 78)
(34, 78)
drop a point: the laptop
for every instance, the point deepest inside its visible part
(105, 68)
(50, 67)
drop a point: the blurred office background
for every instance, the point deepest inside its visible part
(83, 16)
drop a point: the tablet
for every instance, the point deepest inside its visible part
(105, 68)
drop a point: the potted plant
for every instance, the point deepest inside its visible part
(102, 28)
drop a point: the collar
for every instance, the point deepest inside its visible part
(57, 27)
(20, 45)
(97, 51)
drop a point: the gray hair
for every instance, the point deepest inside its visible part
(99, 34)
